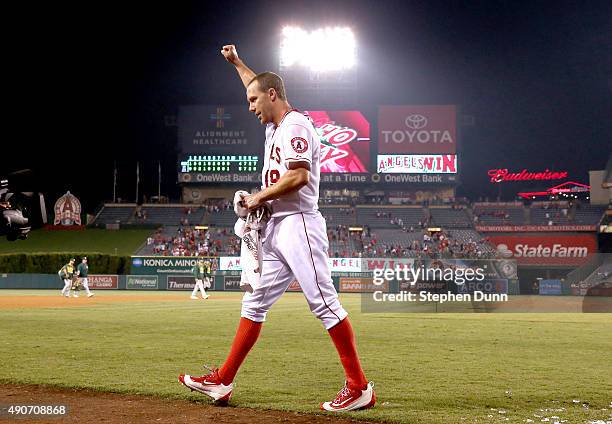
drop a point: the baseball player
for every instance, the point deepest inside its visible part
(82, 272)
(294, 242)
(201, 273)
(66, 273)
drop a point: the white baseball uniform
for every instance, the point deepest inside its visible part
(295, 241)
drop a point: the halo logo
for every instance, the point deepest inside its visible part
(416, 122)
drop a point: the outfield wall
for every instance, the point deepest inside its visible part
(357, 282)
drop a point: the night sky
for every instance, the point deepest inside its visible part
(90, 85)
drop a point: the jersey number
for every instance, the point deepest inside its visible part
(271, 177)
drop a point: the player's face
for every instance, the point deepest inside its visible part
(259, 103)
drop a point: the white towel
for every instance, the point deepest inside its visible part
(249, 231)
(239, 208)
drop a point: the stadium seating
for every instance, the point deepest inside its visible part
(382, 217)
(499, 214)
(223, 218)
(395, 231)
(115, 214)
(450, 218)
(341, 214)
(171, 215)
(588, 214)
(603, 274)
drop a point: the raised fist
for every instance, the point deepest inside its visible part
(230, 54)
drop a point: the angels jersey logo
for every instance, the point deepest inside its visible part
(299, 144)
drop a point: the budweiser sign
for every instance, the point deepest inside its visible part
(503, 175)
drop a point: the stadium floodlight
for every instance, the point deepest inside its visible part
(320, 50)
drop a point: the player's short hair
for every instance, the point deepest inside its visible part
(269, 80)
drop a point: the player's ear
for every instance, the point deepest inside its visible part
(272, 94)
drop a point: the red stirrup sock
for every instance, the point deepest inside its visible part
(246, 336)
(344, 339)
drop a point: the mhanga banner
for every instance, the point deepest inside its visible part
(417, 129)
(98, 281)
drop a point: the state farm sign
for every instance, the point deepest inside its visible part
(417, 129)
(547, 250)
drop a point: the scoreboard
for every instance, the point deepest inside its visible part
(223, 163)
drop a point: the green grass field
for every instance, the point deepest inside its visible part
(428, 368)
(123, 242)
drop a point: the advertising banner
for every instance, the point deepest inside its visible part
(361, 285)
(486, 286)
(561, 250)
(142, 282)
(417, 164)
(102, 282)
(388, 179)
(180, 282)
(148, 265)
(417, 129)
(231, 283)
(428, 286)
(232, 263)
(345, 140)
(370, 264)
(219, 177)
(218, 129)
(533, 228)
(552, 287)
(229, 263)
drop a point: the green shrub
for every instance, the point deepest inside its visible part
(48, 263)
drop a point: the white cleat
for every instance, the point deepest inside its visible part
(351, 399)
(91, 295)
(209, 385)
(194, 298)
(75, 295)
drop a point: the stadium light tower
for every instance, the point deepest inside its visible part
(319, 65)
(321, 50)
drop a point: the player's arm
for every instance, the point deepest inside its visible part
(294, 179)
(231, 55)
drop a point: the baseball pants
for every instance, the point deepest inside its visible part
(85, 283)
(199, 285)
(295, 248)
(67, 287)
